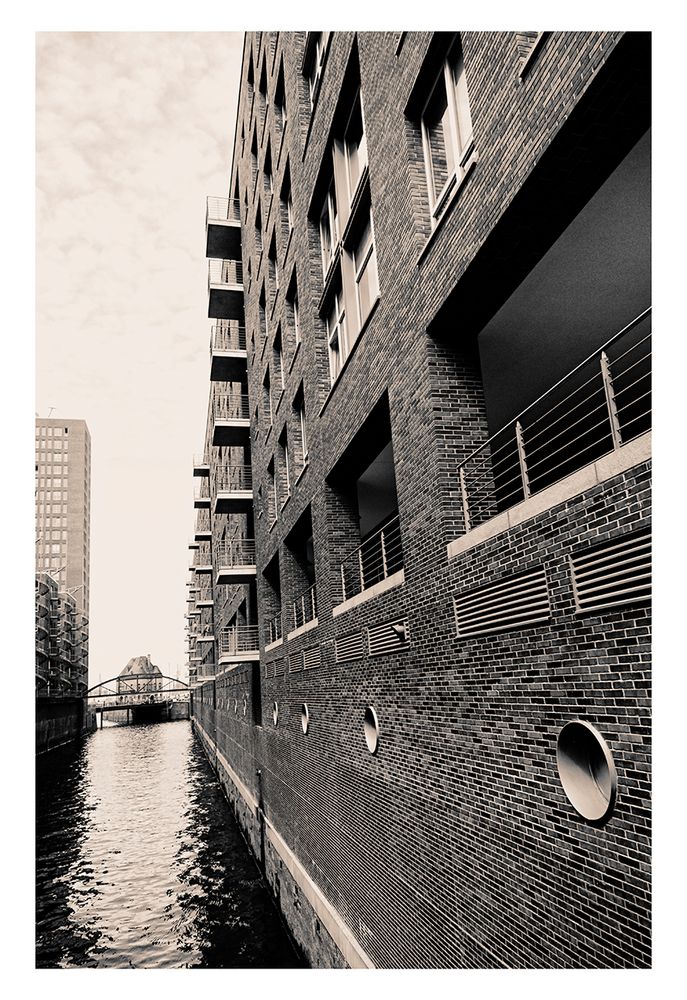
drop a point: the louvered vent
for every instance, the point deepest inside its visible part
(613, 574)
(391, 637)
(349, 647)
(311, 657)
(513, 603)
(295, 662)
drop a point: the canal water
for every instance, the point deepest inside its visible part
(139, 862)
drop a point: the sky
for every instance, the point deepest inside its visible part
(133, 131)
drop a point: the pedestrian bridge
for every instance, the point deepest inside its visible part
(141, 696)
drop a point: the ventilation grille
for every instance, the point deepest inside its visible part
(295, 662)
(613, 574)
(512, 603)
(349, 647)
(279, 667)
(311, 657)
(391, 637)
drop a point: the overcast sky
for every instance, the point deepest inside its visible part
(133, 131)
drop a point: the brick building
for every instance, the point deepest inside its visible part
(419, 593)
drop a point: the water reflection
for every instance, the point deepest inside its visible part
(140, 863)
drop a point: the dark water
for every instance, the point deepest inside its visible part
(139, 862)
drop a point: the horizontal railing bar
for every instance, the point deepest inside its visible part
(568, 443)
(632, 347)
(550, 469)
(625, 406)
(599, 390)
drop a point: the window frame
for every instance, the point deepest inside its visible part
(451, 76)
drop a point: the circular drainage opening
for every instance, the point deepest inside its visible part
(586, 770)
(275, 712)
(305, 718)
(371, 727)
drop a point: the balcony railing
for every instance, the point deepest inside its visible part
(203, 522)
(305, 607)
(230, 406)
(233, 479)
(227, 335)
(601, 405)
(237, 552)
(202, 557)
(238, 639)
(200, 460)
(377, 558)
(225, 272)
(202, 491)
(222, 210)
(273, 629)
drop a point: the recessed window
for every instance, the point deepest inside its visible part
(305, 718)
(586, 770)
(371, 728)
(447, 131)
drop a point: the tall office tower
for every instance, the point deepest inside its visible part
(63, 505)
(419, 606)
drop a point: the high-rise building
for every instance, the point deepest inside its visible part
(63, 487)
(419, 603)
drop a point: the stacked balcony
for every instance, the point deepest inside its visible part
(235, 562)
(239, 644)
(222, 227)
(233, 490)
(203, 532)
(228, 356)
(201, 496)
(202, 560)
(225, 289)
(230, 418)
(201, 466)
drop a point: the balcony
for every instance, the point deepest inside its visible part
(222, 227)
(239, 644)
(230, 419)
(201, 466)
(595, 411)
(204, 599)
(235, 561)
(373, 562)
(228, 356)
(203, 532)
(233, 489)
(201, 495)
(225, 289)
(202, 561)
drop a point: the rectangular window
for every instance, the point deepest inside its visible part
(317, 44)
(355, 147)
(365, 262)
(447, 131)
(299, 407)
(280, 102)
(267, 397)
(329, 235)
(271, 492)
(278, 361)
(336, 336)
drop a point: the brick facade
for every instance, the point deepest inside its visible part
(454, 845)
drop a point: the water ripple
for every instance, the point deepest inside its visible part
(139, 863)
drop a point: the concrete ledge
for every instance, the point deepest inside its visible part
(341, 934)
(313, 623)
(273, 645)
(395, 580)
(611, 465)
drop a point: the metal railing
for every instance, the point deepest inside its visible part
(202, 557)
(203, 521)
(305, 607)
(599, 406)
(274, 628)
(238, 639)
(230, 406)
(204, 595)
(377, 558)
(227, 335)
(237, 552)
(202, 490)
(203, 670)
(233, 479)
(200, 460)
(225, 272)
(222, 209)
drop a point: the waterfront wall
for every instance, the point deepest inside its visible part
(60, 720)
